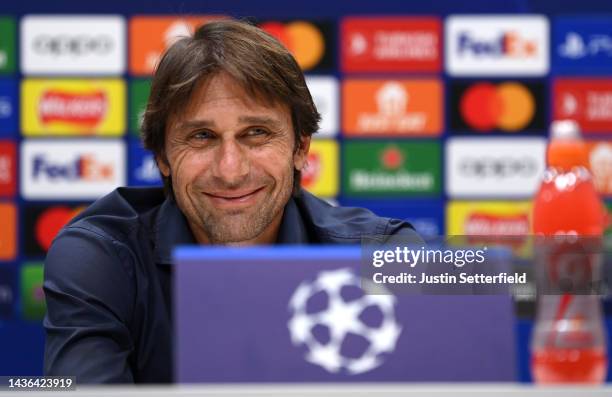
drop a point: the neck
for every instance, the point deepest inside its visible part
(267, 237)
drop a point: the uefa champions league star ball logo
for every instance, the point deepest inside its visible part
(326, 329)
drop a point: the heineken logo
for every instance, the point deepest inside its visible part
(7, 44)
(392, 168)
(392, 158)
(401, 181)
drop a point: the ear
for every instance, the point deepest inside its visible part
(299, 157)
(163, 166)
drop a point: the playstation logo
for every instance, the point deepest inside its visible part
(573, 47)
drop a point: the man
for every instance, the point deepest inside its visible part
(229, 120)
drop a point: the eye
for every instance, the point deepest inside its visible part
(256, 132)
(202, 135)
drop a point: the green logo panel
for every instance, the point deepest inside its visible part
(391, 168)
(32, 297)
(139, 95)
(7, 45)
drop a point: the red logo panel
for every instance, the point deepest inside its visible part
(391, 45)
(8, 169)
(587, 101)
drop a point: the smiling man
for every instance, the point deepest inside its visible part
(231, 158)
(229, 120)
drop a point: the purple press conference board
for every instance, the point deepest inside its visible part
(297, 314)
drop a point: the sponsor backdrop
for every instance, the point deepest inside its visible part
(433, 114)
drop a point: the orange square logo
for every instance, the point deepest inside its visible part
(150, 36)
(392, 107)
(8, 234)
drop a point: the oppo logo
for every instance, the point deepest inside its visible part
(499, 167)
(73, 45)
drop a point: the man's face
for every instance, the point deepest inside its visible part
(231, 159)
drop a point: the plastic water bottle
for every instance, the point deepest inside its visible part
(568, 344)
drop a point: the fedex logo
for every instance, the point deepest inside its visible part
(71, 169)
(497, 45)
(509, 44)
(85, 167)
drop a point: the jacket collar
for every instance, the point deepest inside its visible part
(172, 229)
(292, 229)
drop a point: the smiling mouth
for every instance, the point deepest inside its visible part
(233, 197)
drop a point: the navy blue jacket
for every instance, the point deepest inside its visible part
(108, 279)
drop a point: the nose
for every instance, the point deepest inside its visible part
(231, 164)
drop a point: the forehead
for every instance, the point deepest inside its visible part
(222, 91)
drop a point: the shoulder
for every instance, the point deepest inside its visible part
(96, 248)
(104, 235)
(116, 215)
(347, 224)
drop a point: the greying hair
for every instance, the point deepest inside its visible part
(255, 59)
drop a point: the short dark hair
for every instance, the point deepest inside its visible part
(255, 59)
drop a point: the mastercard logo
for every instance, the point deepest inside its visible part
(508, 106)
(41, 224)
(51, 222)
(303, 39)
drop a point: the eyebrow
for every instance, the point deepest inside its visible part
(261, 120)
